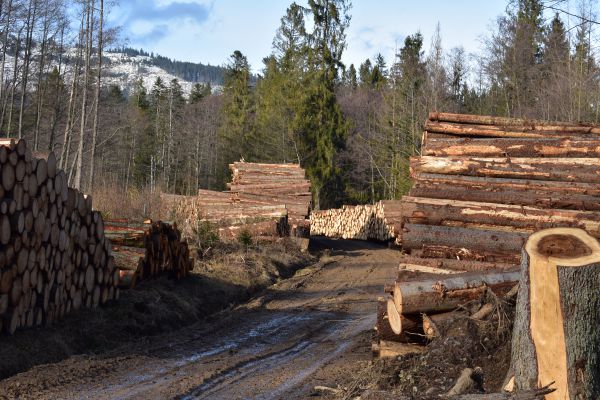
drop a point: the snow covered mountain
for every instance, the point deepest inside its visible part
(125, 66)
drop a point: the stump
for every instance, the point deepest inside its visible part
(555, 337)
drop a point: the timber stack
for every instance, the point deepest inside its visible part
(273, 185)
(55, 257)
(145, 249)
(362, 222)
(483, 185)
(263, 222)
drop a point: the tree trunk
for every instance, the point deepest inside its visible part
(557, 316)
(89, 10)
(98, 83)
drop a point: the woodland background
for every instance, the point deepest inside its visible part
(353, 127)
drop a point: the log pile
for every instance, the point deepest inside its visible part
(146, 249)
(273, 184)
(263, 222)
(54, 256)
(378, 222)
(484, 184)
(415, 309)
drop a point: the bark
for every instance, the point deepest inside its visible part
(495, 216)
(540, 194)
(539, 147)
(546, 169)
(416, 236)
(435, 296)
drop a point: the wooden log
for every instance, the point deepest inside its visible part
(388, 349)
(557, 315)
(471, 214)
(492, 131)
(435, 296)
(548, 169)
(417, 236)
(540, 194)
(523, 123)
(401, 324)
(510, 147)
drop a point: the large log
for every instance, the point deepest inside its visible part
(509, 147)
(523, 123)
(466, 213)
(417, 236)
(439, 295)
(495, 131)
(541, 194)
(547, 169)
(456, 265)
(557, 316)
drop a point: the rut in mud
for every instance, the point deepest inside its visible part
(308, 330)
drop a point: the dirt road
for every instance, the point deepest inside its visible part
(308, 330)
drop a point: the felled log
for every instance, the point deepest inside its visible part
(417, 236)
(388, 349)
(511, 147)
(456, 265)
(439, 295)
(401, 324)
(534, 193)
(55, 257)
(547, 169)
(521, 123)
(151, 248)
(557, 315)
(475, 214)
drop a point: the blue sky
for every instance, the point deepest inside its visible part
(209, 31)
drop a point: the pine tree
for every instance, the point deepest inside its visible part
(238, 111)
(351, 78)
(322, 125)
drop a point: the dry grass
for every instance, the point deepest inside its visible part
(113, 201)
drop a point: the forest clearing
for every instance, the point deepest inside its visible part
(421, 227)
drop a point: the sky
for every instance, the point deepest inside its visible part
(208, 31)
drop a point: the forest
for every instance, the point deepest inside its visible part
(352, 127)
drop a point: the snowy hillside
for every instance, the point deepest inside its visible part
(123, 70)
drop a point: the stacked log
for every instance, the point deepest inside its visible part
(484, 184)
(263, 222)
(54, 256)
(363, 222)
(274, 184)
(146, 249)
(348, 222)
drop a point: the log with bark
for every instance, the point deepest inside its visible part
(440, 295)
(534, 193)
(546, 169)
(145, 249)
(512, 147)
(493, 215)
(557, 316)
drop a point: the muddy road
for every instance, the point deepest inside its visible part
(308, 330)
